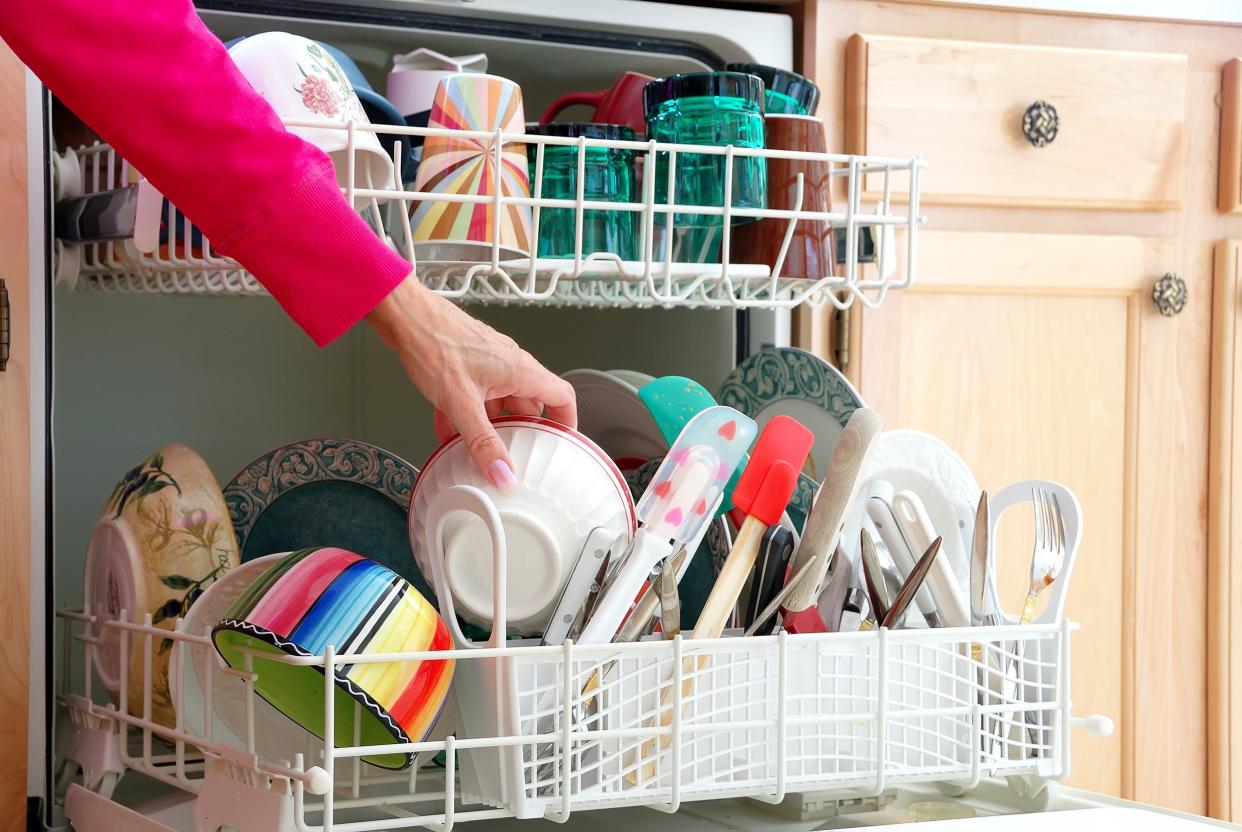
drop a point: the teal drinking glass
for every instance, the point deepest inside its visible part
(784, 92)
(708, 108)
(608, 175)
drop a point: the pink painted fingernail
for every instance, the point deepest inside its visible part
(501, 475)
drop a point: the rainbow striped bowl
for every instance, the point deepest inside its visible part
(314, 598)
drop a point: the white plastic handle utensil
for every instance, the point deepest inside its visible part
(917, 529)
(883, 522)
(1019, 493)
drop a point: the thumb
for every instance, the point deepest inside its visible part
(486, 448)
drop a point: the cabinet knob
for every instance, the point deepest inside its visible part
(4, 327)
(1169, 295)
(1040, 123)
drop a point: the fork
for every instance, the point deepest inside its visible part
(1048, 554)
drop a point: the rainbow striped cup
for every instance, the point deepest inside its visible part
(319, 597)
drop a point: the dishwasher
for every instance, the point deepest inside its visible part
(782, 731)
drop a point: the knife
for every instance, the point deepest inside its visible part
(897, 612)
(774, 553)
(873, 576)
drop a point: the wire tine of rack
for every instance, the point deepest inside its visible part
(727, 219)
(669, 223)
(329, 731)
(779, 266)
(579, 196)
(498, 148)
(536, 209)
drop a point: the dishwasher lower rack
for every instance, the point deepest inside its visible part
(669, 721)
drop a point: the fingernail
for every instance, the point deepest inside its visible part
(501, 475)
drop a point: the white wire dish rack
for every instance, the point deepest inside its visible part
(183, 262)
(849, 715)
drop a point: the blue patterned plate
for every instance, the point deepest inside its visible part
(327, 492)
(795, 383)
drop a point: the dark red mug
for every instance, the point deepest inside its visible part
(622, 103)
(812, 253)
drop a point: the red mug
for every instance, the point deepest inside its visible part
(622, 103)
(812, 253)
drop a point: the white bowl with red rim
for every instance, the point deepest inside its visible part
(566, 487)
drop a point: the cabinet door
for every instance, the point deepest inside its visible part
(1043, 356)
(14, 448)
(962, 104)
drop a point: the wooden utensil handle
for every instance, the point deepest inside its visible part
(711, 623)
(732, 577)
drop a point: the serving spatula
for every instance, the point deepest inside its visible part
(675, 508)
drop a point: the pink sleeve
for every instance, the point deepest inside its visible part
(150, 78)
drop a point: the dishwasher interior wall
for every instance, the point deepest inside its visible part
(233, 378)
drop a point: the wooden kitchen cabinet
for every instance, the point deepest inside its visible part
(1120, 116)
(15, 498)
(1030, 342)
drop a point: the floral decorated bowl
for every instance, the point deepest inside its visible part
(302, 80)
(163, 537)
(316, 598)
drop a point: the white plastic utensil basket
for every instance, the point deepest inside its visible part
(186, 264)
(845, 714)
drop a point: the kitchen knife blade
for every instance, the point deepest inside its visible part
(910, 588)
(873, 576)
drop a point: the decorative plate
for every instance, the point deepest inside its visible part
(795, 383)
(326, 492)
(910, 460)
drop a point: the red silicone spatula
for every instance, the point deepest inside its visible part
(762, 493)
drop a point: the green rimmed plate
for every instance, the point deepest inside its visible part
(327, 492)
(796, 383)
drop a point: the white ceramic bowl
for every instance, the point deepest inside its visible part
(302, 81)
(276, 737)
(567, 486)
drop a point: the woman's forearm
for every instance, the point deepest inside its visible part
(154, 82)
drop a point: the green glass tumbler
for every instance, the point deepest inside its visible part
(708, 108)
(607, 175)
(785, 92)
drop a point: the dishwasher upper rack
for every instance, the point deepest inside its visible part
(181, 261)
(848, 715)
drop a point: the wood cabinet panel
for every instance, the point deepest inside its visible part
(15, 385)
(960, 104)
(1042, 356)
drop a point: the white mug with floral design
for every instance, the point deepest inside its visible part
(302, 81)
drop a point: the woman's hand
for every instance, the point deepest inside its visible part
(469, 372)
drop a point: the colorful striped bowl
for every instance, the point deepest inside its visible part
(319, 597)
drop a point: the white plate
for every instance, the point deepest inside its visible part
(795, 383)
(919, 462)
(277, 738)
(611, 414)
(634, 378)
